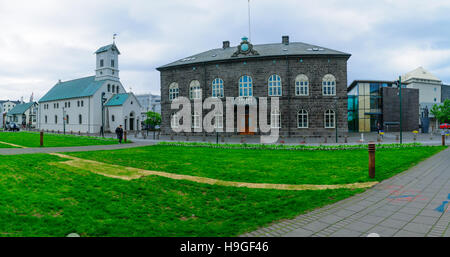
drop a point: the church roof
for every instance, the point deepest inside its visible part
(76, 88)
(419, 73)
(106, 48)
(20, 108)
(117, 100)
(264, 50)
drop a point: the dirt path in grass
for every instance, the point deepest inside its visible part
(129, 173)
(19, 146)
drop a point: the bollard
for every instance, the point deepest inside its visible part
(346, 139)
(371, 160)
(378, 138)
(242, 140)
(42, 138)
(187, 138)
(443, 140)
(125, 136)
(79, 133)
(203, 138)
(222, 138)
(396, 138)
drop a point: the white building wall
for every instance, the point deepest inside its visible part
(428, 93)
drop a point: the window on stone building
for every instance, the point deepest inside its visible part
(196, 120)
(109, 88)
(45, 119)
(56, 119)
(245, 86)
(302, 119)
(80, 119)
(275, 118)
(217, 88)
(329, 119)
(218, 120)
(329, 85)
(101, 63)
(274, 85)
(174, 121)
(301, 85)
(67, 119)
(195, 92)
(82, 103)
(112, 118)
(112, 63)
(173, 91)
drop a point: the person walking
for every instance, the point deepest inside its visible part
(119, 133)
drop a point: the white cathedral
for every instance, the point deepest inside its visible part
(77, 105)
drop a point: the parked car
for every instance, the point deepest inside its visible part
(12, 127)
(444, 126)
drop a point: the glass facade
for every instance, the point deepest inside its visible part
(365, 103)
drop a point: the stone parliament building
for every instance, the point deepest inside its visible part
(310, 81)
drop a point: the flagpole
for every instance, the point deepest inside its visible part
(249, 30)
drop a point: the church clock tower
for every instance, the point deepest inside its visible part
(107, 63)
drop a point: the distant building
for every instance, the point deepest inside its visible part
(429, 85)
(149, 102)
(371, 102)
(24, 115)
(445, 92)
(76, 105)
(5, 107)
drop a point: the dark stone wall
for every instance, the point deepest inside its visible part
(410, 108)
(260, 70)
(445, 92)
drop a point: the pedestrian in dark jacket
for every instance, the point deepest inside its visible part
(119, 133)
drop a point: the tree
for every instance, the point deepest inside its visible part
(442, 112)
(153, 119)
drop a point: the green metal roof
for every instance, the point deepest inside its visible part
(106, 48)
(20, 108)
(82, 87)
(117, 100)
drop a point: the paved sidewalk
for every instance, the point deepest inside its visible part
(14, 151)
(415, 203)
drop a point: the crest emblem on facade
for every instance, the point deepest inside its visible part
(245, 48)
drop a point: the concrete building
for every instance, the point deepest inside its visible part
(445, 92)
(24, 115)
(310, 81)
(78, 105)
(149, 102)
(372, 101)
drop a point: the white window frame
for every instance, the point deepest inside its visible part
(301, 85)
(173, 91)
(245, 87)
(174, 120)
(302, 113)
(217, 88)
(329, 85)
(275, 118)
(196, 121)
(218, 120)
(328, 115)
(195, 91)
(274, 87)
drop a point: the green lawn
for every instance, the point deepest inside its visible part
(6, 146)
(267, 166)
(38, 199)
(32, 139)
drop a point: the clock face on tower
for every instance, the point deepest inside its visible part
(244, 47)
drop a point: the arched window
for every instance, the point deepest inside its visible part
(113, 118)
(245, 86)
(195, 92)
(275, 118)
(329, 85)
(301, 85)
(174, 121)
(67, 119)
(173, 91)
(329, 119)
(274, 85)
(80, 119)
(109, 88)
(196, 120)
(56, 119)
(302, 118)
(217, 88)
(45, 119)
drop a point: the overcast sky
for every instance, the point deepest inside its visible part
(46, 40)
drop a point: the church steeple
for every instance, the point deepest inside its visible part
(107, 63)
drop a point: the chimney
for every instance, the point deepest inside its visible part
(285, 40)
(226, 44)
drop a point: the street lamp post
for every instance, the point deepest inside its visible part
(103, 99)
(400, 96)
(335, 117)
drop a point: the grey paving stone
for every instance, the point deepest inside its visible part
(393, 223)
(300, 232)
(404, 233)
(402, 216)
(316, 226)
(344, 213)
(417, 227)
(359, 226)
(372, 219)
(430, 213)
(425, 220)
(330, 219)
(382, 231)
(346, 233)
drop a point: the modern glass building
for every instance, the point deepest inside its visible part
(365, 101)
